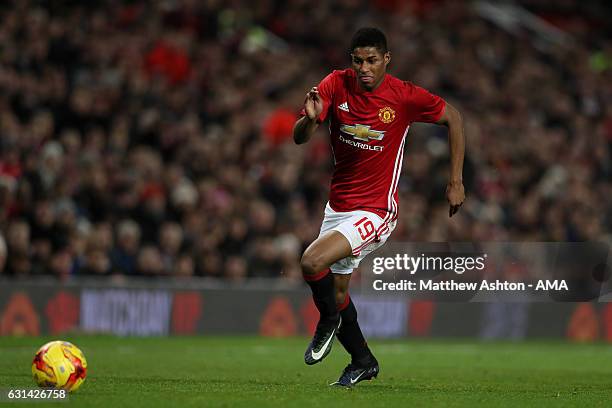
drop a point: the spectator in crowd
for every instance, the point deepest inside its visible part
(184, 267)
(150, 262)
(126, 251)
(170, 242)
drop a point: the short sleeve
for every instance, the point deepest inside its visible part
(326, 91)
(423, 106)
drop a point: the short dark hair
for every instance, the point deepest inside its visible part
(369, 37)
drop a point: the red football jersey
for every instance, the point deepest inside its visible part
(368, 131)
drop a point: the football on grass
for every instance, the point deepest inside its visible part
(59, 364)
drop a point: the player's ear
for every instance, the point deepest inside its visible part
(387, 58)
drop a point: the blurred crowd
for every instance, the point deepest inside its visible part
(154, 138)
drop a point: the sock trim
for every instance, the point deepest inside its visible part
(317, 276)
(344, 305)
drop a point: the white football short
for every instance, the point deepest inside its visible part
(365, 231)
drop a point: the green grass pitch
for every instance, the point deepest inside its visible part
(263, 372)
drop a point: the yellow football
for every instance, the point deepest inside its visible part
(59, 364)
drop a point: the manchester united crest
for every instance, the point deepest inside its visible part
(386, 115)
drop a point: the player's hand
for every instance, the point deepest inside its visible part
(455, 194)
(313, 104)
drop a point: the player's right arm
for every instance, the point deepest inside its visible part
(316, 109)
(308, 124)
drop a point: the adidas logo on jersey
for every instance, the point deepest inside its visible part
(343, 106)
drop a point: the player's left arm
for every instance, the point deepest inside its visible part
(455, 192)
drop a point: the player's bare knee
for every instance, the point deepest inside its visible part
(311, 264)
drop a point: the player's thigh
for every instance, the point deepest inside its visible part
(324, 251)
(343, 268)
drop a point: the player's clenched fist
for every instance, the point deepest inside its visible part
(313, 105)
(455, 194)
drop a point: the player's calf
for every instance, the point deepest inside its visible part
(315, 263)
(322, 286)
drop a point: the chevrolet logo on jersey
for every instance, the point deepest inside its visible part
(362, 132)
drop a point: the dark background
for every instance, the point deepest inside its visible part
(153, 138)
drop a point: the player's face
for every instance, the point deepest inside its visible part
(370, 65)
